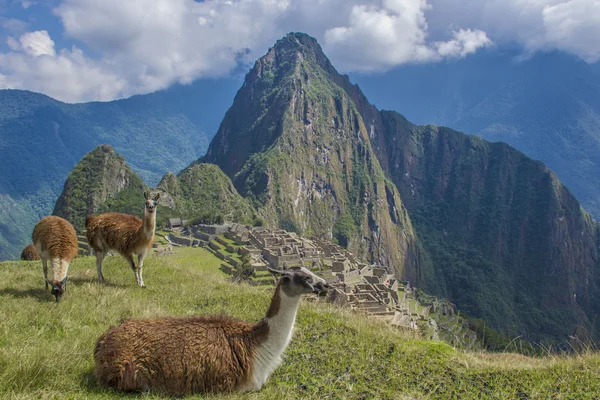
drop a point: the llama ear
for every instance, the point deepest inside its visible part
(145, 195)
(64, 280)
(277, 271)
(157, 196)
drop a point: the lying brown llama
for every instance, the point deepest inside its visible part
(55, 240)
(124, 233)
(203, 354)
(29, 253)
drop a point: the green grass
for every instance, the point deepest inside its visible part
(46, 348)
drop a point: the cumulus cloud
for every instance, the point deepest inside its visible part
(378, 37)
(574, 26)
(69, 75)
(145, 45)
(37, 43)
(465, 42)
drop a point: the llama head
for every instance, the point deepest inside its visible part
(296, 281)
(58, 288)
(151, 201)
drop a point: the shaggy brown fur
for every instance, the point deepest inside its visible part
(178, 356)
(56, 241)
(124, 233)
(29, 253)
(115, 231)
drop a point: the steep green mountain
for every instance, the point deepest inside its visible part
(489, 228)
(42, 139)
(204, 193)
(100, 182)
(295, 144)
(547, 106)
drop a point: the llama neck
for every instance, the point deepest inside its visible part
(149, 223)
(60, 267)
(280, 318)
(280, 322)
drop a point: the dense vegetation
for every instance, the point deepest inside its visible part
(202, 193)
(47, 348)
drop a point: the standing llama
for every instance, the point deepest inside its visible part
(55, 240)
(203, 354)
(124, 233)
(29, 253)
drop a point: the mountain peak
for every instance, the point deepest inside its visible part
(298, 39)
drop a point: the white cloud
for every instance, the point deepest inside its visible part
(68, 76)
(144, 45)
(465, 42)
(37, 43)
(379, 37)
(574, 26)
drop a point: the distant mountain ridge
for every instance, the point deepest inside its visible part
(480, 223)
(547, 106)
(42, 139)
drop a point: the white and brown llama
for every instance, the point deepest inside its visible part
(55, 240)
(124, 233)
(203, 354)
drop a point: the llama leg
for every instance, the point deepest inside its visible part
(131, 262)
(139, 268)
(45, 268)
(99, 258)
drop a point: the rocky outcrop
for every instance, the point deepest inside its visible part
(101, 181)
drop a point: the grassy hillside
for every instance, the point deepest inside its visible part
(203, 193)
(46, 349)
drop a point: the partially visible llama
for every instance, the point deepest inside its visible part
(55, 240)
(200, 354)
(29, 253)
(126, 234)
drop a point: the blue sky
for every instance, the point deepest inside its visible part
(82, 50)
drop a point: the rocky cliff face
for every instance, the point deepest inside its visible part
(507, 239)
(491, 229)
(295, 144)
(101, 181)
